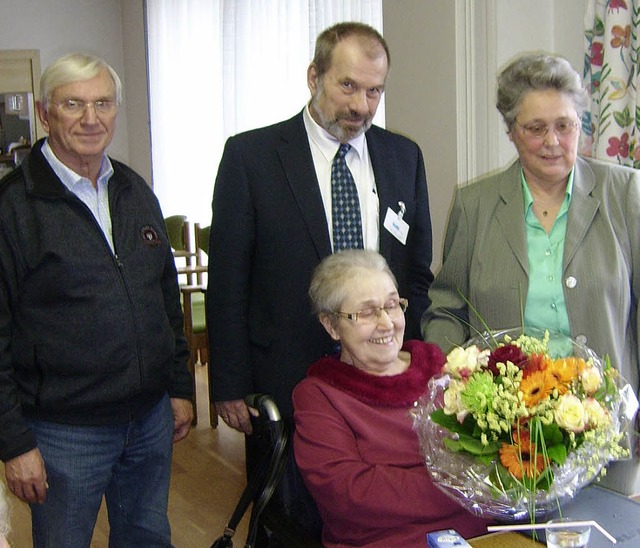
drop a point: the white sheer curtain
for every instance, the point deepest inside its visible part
(219, 67)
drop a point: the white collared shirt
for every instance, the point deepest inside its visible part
(323, 149)
(95, 198)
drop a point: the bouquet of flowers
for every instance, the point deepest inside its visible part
(509, 431)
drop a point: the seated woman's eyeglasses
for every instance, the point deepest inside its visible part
(371, 314)
(539, 130)
(76, 107)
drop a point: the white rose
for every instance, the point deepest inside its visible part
(596, 414)
(463, 362)
(453, 402)
(571, 414)
(591, 379)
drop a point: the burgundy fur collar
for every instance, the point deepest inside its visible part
(392, 391)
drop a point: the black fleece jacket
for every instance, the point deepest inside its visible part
(87, 337)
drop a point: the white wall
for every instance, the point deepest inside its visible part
(421, 93)
(135, 76)
(546, 25)
(58, 27)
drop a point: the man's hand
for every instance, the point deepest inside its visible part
(182, 418)
(236, 414)
(27, 477)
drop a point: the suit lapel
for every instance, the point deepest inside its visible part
(297, 162)
(510, 214)
(582, 211)
(383, 164)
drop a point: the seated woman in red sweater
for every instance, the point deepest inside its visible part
(354, 442)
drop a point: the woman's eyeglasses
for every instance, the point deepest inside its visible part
(539, 130)
(371, 314)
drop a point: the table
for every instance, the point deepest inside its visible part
(504, 540)
(618, 514)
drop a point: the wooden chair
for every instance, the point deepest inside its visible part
(179, 232)
(193, 305)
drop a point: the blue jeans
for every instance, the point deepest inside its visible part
(130, 464)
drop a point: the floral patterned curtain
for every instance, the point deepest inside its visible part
(611, 126)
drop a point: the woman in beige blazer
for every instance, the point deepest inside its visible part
(554, 237)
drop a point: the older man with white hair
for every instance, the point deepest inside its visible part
(94, 386)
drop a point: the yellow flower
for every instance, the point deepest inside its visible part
(564, 371)
(536, 387)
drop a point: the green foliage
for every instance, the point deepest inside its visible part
(468, 436)
(598, 27)
(623, 117)
(552, 434)
(557, 453)
(451, 423)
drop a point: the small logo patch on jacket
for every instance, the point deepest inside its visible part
(149, 236)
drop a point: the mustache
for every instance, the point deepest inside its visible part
(352, 117)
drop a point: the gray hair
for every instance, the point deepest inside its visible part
(75, 67)
(328, 290)
(537, 71)
(5, 512)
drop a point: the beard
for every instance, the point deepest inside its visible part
(334, 126)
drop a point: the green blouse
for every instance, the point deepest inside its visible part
(546, 306)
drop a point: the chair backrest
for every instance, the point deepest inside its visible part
(179, 232)
(177, 228)
(202, 238)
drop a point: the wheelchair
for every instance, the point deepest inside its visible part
(270, 526)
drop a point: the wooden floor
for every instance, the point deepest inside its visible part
(207, 479)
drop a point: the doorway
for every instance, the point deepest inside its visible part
(19, 83)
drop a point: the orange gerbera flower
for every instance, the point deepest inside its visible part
(564, 371)
(536, 387)
(522, 458)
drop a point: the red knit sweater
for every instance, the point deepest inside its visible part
(360, 458)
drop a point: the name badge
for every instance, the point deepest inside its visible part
(395, 224)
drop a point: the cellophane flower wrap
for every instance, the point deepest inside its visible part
(510, 432)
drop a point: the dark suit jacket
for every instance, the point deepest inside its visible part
(268, 233)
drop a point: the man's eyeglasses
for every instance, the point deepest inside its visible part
(539, 130)
(371, 314)
(76, 107)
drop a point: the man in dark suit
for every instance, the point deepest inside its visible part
(272, 219)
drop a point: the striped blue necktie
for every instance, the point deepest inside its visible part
(345, 206)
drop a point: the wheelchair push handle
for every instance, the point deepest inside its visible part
(265, 404)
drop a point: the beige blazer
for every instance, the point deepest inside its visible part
(485, 259)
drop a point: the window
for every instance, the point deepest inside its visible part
(219, 67)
